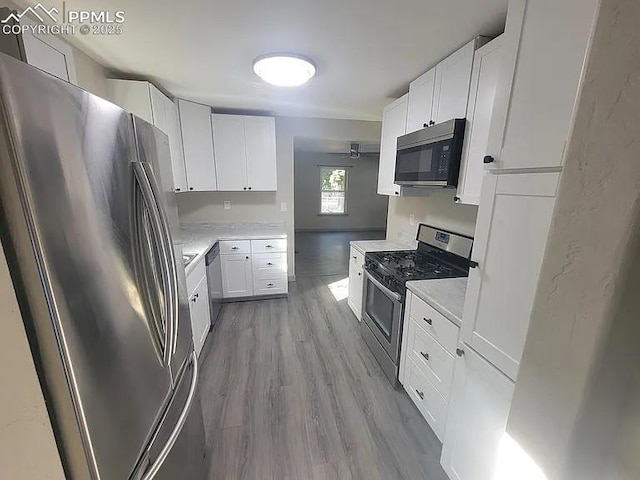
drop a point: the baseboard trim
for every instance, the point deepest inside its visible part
(333, 230)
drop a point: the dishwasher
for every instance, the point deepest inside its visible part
(214, 282)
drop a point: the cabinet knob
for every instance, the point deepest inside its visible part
(397, 193)
(473, 264)
(190, 188)
(244, 188)
(432, 122)
(268, 246)
(249, 188)
(459, 352)
(420, 394)
(193, 299)
(269, 264)
(247, 257)
(177, 189)
(425, 124)
(428, 320)
(488, 159)
(456, 199)
(234, 248)
(359, 274)
(270, 285)
(425, 355)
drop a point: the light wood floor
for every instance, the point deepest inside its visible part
(291, 392)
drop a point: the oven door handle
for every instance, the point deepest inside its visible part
(384, 289)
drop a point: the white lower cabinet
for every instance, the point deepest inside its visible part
(199, 305)
(426, 364)
(477, 418)
(356, 282)
(237, 275)
(254, 267)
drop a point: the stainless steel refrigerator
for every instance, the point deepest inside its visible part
(87, 218)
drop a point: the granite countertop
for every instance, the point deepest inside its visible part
(446, 295)
(365, 246)
(198, 238)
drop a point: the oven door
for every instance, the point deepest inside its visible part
(382, 312)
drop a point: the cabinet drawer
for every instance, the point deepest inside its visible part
(269, 265)
(272, 286)
(430, 403)
(269, 245)
(235, 246)
(356, 257)
(435, 324)
(431, 358)
(198, 273)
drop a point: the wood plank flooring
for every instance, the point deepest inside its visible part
(291, 392)
(327, 253)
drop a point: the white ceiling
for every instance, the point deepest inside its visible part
(366, 51)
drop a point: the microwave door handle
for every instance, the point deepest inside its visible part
(384, 289)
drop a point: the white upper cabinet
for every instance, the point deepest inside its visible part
(452, 80)
(195, 123)
(539, 81)
(260, 148)
(513, 223)
(420, 101)
(230, 155)
(49, 53)
(484, 78)
(147, 102)
(245, 152)
(394, 124)
(477, 419)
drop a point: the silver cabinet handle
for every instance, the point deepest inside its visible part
(425, 355)
(235, 248)
(269, 264)
(420, 394)
(428, 320)
(164, 453)
(268, 246)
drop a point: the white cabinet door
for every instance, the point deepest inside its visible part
(420, 101)
(356, 285)
(511, 233)
(49, 53)
(230, 155)
(539, 81)
(175, 145)
(478, 411)
(260, 148)
(157, 99)
(451, 91)
(394, 124)
(134, 96)
(484, 78)
(237, 278)
(200, 314)
(197, 142)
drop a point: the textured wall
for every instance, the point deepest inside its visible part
(576, 408)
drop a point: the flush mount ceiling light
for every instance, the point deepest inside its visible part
(284, 70)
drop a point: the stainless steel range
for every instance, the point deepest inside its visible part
(440, 254)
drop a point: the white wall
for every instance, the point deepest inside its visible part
(437, 209)
(366, 210)
(576, 409)
(262, 206)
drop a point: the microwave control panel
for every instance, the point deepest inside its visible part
(445, 159)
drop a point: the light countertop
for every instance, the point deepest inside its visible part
(445, 295)
(198, 238)
(365, 246)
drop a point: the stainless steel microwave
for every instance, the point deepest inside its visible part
(431, 156)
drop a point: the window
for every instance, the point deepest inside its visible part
(333, 190)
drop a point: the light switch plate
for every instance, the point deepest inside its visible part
(412, 219)
(283, 207)
(227, 205)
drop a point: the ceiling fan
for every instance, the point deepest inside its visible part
(354, 152)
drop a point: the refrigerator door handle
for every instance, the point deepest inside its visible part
(170, 259)
(146, 181)
(166, 449)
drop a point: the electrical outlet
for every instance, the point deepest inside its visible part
(283, 207)
(412, 219)
(227, 205)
